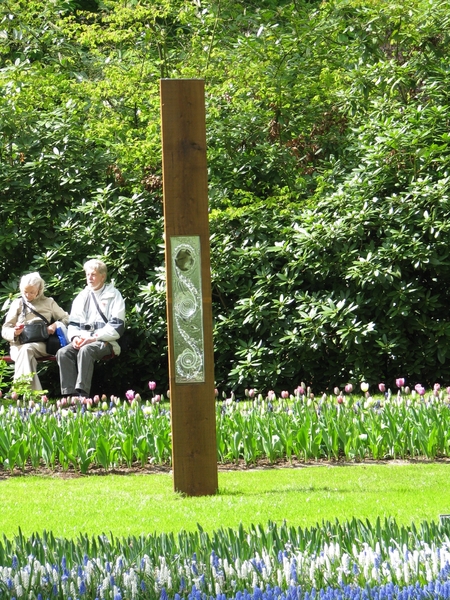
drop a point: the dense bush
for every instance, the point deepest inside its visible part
(327, 128)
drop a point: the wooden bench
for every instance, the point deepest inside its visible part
(8, 359)
(51, 357)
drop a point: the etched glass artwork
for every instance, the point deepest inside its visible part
(187, 310)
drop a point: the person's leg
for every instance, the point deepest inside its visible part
(68, 371)
(87, 356)
(24, 357)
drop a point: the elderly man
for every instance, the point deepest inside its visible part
(96, 322)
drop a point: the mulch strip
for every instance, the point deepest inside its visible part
(151, 469)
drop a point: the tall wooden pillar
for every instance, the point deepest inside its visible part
(189, 315)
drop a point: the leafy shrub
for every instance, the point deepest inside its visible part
(328, 174)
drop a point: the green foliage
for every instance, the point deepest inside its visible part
(4, 373)
(327, 127)
(351, 284)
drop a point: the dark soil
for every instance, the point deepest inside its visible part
(150, 469)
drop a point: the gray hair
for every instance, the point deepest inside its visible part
(33, 279)
(96, 265)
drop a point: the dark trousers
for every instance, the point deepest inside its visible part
(76, 367)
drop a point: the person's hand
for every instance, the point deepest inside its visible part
(78, 342)
(51, 328)
(18, 329)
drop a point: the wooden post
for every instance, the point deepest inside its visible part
(189, 314)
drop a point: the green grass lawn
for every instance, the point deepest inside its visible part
(135, 504)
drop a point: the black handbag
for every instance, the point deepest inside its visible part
(36, 331)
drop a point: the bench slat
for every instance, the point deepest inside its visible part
(8, 359)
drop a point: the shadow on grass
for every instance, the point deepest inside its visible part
(224, 491)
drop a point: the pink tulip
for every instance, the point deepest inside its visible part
(156, 399)
(284, 394)
(152, 385)
(400, 382)
(419, 389)
(348, 388)
(382, 387)
(129, 395)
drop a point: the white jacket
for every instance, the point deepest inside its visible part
(85, 318)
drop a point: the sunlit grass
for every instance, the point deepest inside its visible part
(135, 504)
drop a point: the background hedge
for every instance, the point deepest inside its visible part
(328, 153)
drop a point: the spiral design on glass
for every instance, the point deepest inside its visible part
(187, 309)
(186, 305)
(189, 363)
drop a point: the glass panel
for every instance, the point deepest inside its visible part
(187, 309)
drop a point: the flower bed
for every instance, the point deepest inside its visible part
(353, 560)
(79, 434)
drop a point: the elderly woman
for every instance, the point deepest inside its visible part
(21, 312)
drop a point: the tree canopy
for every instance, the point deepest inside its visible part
(328, 158)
